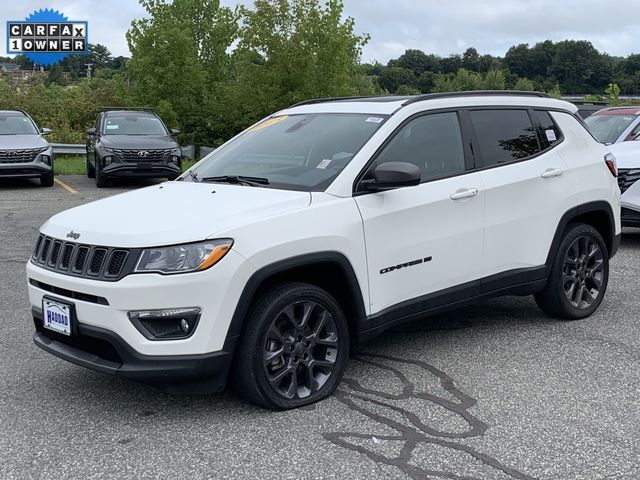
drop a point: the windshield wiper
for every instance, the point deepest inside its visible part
(238, 180)
(193, 175)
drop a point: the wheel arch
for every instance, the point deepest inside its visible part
(599, 215)
(331, 271)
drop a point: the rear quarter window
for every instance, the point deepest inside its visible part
(550, 131)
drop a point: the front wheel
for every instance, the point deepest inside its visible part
(91, 171)
(101, 180)
(294, 349)
(46, 180)
(579, 275)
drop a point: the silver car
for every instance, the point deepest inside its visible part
(23, 150)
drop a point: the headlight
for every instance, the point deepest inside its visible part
(190, 257)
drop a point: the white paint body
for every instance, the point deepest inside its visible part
(509, 224)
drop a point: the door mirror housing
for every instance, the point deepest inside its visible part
(391, 175)
(91, 132)
(45, 131)
(174, 132)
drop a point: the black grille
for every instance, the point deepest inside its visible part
(115, 264)
(20, 156)
(627, 177)
(96, 261)
(103, 263)
(138, 156)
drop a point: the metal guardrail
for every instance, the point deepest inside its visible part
(69, 148)
(188, 151)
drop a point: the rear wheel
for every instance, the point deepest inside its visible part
(295, 347)
(579, 275)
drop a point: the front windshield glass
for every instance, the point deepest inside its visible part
(16, 124)
(294, 152)
(608, 128)
(133, 125)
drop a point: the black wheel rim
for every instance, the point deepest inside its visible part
(583, 272)
(300, 350)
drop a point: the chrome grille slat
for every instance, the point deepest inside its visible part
(20, 156)
(157, 155)
(79, 260)
(627, 177)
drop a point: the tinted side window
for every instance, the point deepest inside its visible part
(504, 135)
(550, 130)
(432, 142)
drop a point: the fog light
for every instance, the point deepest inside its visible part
(169, 324)
(175, 159)
(46, 159)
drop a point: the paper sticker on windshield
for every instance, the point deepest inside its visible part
(375, 120)
(112, 127)
(269, 122)
(551, 135)
(323, 164)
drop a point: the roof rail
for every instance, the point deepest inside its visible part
(133, 109)
(475, 93)
(313, 101)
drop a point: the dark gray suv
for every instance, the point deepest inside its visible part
(126, 143)
(23, 150)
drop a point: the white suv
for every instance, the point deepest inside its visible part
(324, 225)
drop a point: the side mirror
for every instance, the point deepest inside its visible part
(174, 132)
(392, 175)
(91, 132)
(45, 131)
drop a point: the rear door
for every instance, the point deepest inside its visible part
(527, 187)
(424, 239)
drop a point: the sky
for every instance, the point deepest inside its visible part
(434, 26)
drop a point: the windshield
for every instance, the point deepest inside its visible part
(16, 124)
(608, 128)
(295, 152)
(132, 125)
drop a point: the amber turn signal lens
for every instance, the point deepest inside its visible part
(215, 256)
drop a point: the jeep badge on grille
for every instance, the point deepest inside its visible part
(73, 235)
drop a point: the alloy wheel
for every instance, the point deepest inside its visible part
(300, 350)
(583, 272)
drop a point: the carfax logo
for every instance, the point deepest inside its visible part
(46, 37)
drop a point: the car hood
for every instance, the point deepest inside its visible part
(17, 142)
(627, 154)
(171, 213)
(138, 141)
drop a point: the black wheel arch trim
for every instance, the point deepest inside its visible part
(318, 258)
(613, 242)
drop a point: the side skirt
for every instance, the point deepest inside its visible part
(525, 281)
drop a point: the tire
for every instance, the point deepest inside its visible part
(579, 275)
(101, 180)
(47, 179)
(91, 171)
(312, 358)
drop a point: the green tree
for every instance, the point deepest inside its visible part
(179, 57)
(291, 50)
(391, 78)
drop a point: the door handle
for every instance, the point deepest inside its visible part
(552, 172)
(464, 193)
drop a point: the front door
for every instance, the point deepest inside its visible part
(424, 239)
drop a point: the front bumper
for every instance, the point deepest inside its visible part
(141, 170)
(33, 169)
(104, 351)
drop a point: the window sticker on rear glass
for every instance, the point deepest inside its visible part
(375, 120)
(269, 122)
(551, 135)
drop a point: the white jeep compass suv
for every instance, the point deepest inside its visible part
(322, 226)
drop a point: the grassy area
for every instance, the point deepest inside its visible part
(76, 165)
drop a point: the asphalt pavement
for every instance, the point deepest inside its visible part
(494, 391)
